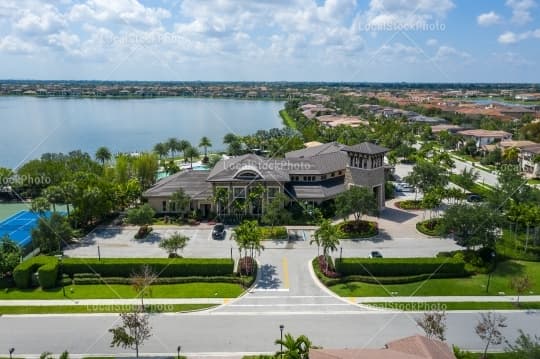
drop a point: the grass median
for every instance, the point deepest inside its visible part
(88, 309)
(124, 291)
(471, 286)
(449, 306)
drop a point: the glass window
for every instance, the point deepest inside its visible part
(272, 192)
(239, 192)
(164, 206)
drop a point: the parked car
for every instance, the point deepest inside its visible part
(403, 187)
(474, 198)
(218, 232)
(375, 254)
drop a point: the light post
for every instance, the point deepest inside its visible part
(178, 351)
(281, 327)
(11, 351)
(493, 256)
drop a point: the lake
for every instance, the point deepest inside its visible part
(31, 126)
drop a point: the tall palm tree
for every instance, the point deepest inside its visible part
(328, 237)
(293, 348)
(103, 155)
(191, 152)
(172, 145)
(510, 155)
(184, 145)
(205, 143)
(161, 149)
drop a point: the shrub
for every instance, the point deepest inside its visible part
(48, 274)
(395, 267)
(429, 227)
(410, 204)
(274, 232)
(357, 229)
(165, 267)
(141, 215)
(24, 271)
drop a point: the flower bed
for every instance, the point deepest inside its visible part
(358, 229)
(429, 227)
(409, 205)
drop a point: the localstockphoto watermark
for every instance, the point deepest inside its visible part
(412, 306)
(420, 26)
(125, 308)
(140, 39)
(24, 180)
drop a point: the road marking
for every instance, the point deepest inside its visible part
(270, 290)
(284, 296)
(352, 300)
(226, 301)
(290, 305)
(285, 265)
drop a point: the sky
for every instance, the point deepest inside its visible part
(271, 40)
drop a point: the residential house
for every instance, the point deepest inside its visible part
(527, 160)
(414, 347)
(484, 137)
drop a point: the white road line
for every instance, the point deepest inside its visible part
(289, 305)
(286, 296)
(270, 290)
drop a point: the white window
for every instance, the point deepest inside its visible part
(239, 192)
(272, 192)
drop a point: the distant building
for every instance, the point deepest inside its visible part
(484, 137)
(415, 347)
(527, 157)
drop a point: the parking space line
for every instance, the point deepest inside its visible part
(285, 266)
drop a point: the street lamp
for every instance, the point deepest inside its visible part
(11, 351)
(493, 257)
(281, 327)
(178, 351)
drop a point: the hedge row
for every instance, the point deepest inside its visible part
(169, 280)
(400, 267)
(385, 280)
(278, 232)
(22, 275)
(164, 267)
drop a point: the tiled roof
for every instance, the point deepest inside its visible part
(192, 182)
(316, 190)
(484, 133)
(367, 148)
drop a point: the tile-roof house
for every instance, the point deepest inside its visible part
(414, 347)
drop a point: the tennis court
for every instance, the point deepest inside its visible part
(19, 227)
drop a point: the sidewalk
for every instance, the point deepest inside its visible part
(134, 301)
(499, 298)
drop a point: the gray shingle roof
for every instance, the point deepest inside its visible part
(367, 148)
(317, 190)
(269, 169)
(325, 148)
(192, 182)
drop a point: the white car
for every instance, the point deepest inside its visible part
(404, 187)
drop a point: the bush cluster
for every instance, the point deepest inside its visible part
(357, 229)
(164, 267)
(46, 276)
(274, 232)
(429, 227)
(410, 204)
(399, 267)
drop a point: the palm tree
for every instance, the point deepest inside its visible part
(55, 195)
(183, 146)
(205, 143)
(103, 155)
(328, 237)
(172, 145)
(510, 155)
(161, 149)
(293, 348)
(191, 152)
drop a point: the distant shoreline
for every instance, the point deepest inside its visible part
(145, 97)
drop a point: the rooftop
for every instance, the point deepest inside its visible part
(193, 182)
(485, 133)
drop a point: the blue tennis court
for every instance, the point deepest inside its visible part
(19, 227)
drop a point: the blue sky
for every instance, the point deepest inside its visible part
(272, 40)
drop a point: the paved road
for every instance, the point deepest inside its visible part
(218, 332)
(484, 176)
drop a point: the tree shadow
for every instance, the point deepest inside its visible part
(396, 215)
(268, 278)
(510, 269)
(151, 238)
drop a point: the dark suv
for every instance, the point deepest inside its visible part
(219, 231)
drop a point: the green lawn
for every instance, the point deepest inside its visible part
(287, 119)
(475, 285)
(425, 306)
(99, 309)
(534, 181)
(186, 290)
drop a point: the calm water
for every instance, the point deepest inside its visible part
(32, 126)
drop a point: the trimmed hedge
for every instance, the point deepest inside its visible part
(385, 280)
(164, 267)
(22, 274)
(48, 274)
(278, 232)
(169, 280)
(400, 267)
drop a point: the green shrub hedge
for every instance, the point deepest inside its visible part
(400, 267)
(164, 267)
(279, 232)
(22, 274)
(48, 274)
(357, 229)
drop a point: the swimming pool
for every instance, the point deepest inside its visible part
(19, 227)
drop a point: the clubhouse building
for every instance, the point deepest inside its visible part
(311, 175)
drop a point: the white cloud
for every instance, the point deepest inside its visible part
(129, 12)
(521, 10)
(445, 53)
(14, 45)
(39, 21)
(510, 37)
(432, 42)
(386, 14)
(489, 18)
